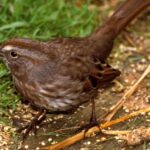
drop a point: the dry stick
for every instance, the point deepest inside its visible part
(120, 103)
(80, 135)
(71, 140)
(116, 132)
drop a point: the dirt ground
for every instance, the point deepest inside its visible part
(131, 55)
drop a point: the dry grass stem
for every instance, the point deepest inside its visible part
(125, 97)
(72, 140)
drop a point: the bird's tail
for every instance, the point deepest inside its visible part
(127, 11)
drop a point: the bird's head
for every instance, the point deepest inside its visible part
(24, 54)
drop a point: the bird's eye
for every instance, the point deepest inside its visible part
(14, 54)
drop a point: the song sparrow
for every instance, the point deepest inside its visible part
(61, 74)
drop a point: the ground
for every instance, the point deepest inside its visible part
(130, 55)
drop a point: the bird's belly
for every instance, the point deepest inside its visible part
(56, 96)
(53, 101)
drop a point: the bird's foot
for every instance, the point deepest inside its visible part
(31, 126)
(93, 123)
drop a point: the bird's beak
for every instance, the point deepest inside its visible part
(1, 52)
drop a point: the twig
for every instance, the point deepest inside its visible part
(71, 140)
(129, 39)
(65, 129)
(125, 97)
(116, 132)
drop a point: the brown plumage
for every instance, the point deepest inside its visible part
(61, 74)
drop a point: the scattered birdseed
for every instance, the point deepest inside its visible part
(120, 141)
(50, 139)
(1, 138)
(117, 138)
(37, 127)
(98, 140)
(87, 143)
(43, 143)
(11, 111)
(54, 142)
(126, 110)
(147, 99)
(142, 113)
(7, 128)
(103, 138)
(81, 106)
(54, 122)
(26, 146)
(84, 148)
(37, 148)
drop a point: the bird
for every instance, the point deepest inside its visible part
(60, 74)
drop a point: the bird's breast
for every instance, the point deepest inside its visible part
(59, 94)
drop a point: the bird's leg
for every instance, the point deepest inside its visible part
(35, 121)
(93, 120)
